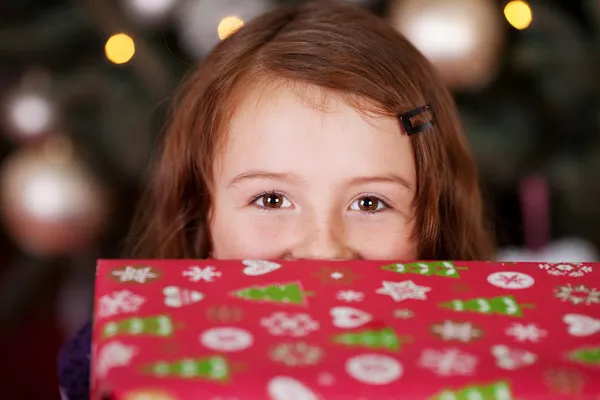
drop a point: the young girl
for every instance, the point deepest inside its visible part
(314, 132)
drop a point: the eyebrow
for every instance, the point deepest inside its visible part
(291, 178)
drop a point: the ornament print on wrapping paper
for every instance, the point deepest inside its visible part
(512, 359)
(464, 332)
(287, 324)
(350, 296)
(448, 362)
(374, 369)
(575, 270)
(577, 295)
(197, 273)
(526, 332)
(287, 388)
(135, 274)
(259, 267)
(510, 280)
(119, 302)
(297, 354)
(581, 325)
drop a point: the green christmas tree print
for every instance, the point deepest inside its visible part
(276, 293)
(213, 368)
(495, 391)
(505, 305)
(438, 268)
(374, 339)
(160, 325)
(588, 355)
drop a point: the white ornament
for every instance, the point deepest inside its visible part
(349, 296)
(374, 369)
(297, 354)
(295, 325)
(131, 274)
(526, 332)
(226, 339)
(461, 331)
(286, 388)
(113, 354)
(400, 291)
(581, 325)
(579, 294)
(510, 280)
(177, 297)
(348, 317)
(259, 267)
(197, 274)
(574, 270)
(448, 362)
(511, 359)
(120, 302)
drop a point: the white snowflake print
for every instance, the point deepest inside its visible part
(120, 302)
(113, 354)
(284, 324)
(526, 332)
(510, 280)
(461, 331)
(403, 313)
(197, 274)
(132, 274)
(350, 296)
(574, 270)
(448, 362)
(297, 354)
(579, 294)
(511, 359)
(400, 291)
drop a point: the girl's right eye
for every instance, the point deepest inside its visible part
(271, 201)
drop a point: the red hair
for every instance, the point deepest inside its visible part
(336, 47)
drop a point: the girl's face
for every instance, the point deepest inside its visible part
(298, 181)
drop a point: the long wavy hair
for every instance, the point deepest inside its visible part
(337, 47)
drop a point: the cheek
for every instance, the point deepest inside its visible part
(384, 242)
(238, 236)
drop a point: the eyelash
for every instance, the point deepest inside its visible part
(273, 192)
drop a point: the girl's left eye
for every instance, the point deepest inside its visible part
(368, 204)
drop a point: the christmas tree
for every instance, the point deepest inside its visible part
(160, 325)
(277, 293)
(373, 339)
(588, 355)
(495, 391)
(214, 368)
(505, 305)
(438, 268)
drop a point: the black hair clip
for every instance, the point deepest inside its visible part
(408, 125)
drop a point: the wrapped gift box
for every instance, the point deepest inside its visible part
(307, 330)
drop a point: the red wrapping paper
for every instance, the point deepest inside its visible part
(307, 330)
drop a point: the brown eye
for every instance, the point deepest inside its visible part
(272, 200)
(368, 204)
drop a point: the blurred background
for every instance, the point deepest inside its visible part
(85, 84)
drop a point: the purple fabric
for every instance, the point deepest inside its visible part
(74, 366)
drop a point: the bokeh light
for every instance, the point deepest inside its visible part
(120, 48)
(518, 14)
(228, 26)
(30, 114)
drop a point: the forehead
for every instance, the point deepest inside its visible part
(313, 133)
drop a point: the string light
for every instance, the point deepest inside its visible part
(518, 14)
(119, 48)
(228, 26)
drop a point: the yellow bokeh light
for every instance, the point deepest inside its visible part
(228, 26)
(119, 48)
(518, 14)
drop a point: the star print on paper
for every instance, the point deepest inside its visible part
(197, 274)
(405, 290)
(339, 276)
